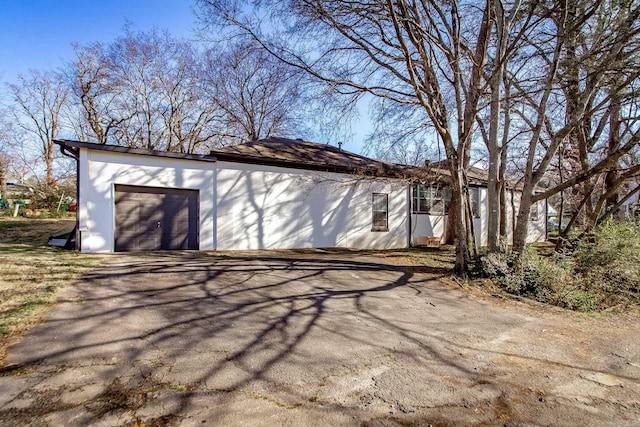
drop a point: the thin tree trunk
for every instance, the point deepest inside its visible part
(495, 84)
(522, 220)
(614, 142)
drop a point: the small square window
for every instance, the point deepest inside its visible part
(380, 212)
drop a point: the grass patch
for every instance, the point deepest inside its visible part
(438, 261)
(32, 273)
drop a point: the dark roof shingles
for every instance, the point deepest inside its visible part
(310, 155)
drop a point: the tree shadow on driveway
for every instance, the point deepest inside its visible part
(179, 336)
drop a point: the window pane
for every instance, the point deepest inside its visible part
(431, 199)
(424, 205)
(428, 192)
(438, 207)
(446, 193)
(379, 210)
(437, 192)
(379, 219)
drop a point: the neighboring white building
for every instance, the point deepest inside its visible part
(631, 206)
(270, 194)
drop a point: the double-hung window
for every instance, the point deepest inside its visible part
(380, 212)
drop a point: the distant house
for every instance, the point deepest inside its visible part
(15, 194)
(631, 206)
(274, 193)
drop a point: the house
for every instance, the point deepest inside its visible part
(274, 193)
(630, 198)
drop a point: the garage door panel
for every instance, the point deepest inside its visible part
(149, 218)
(139, 241)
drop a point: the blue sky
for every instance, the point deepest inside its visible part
(38, 34)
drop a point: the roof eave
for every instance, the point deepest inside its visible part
(74, 146)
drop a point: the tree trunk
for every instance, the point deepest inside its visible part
(614, 142)
(502, 173)
(493, 184)
(495, 84)
(522, 221)
(450, 232)
(3, 178)
(502, 178)
(48, 151)
(463, 258)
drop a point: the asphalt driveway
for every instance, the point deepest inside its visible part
(311, 339)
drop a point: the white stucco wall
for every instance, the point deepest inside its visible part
(100, 171)
(244, 206)
(536, 228)
(481, 224)
(264, 207)
(426, 225)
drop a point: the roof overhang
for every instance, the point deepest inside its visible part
(72, 148)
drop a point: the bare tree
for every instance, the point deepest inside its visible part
(39, 101)
(96, 91)
(574, 98)
(5, 154)
(430, 54)
(402, 134)
(145, 89)
(258, 95)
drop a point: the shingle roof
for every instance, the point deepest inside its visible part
(301, 154)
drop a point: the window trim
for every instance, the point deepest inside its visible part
(375, 227)
(431, 190)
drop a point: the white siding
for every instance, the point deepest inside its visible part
(101, 170)
(426, 225)
(245, 206)
(481, 225)
(263, 207)
(536, 228)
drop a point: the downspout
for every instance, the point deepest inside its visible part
(410, 215)
(74, 153)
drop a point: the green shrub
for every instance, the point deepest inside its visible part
(610, 261)
(517, 274)
(598, 271)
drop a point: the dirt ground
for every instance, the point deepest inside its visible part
(313, 339)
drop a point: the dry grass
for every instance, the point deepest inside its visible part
(439, 262)
(31, 273)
